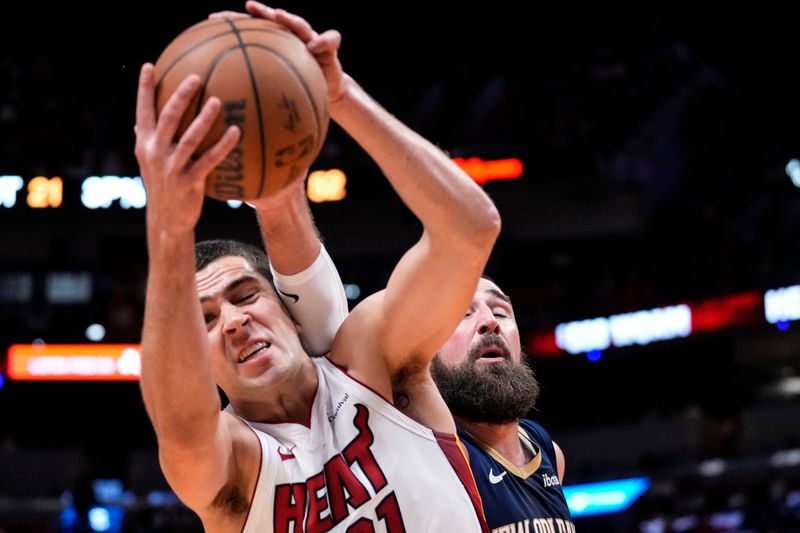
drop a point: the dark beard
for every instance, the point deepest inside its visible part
(495, 394)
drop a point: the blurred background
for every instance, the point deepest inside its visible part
(644, 160)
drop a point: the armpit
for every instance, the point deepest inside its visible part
(231, 501)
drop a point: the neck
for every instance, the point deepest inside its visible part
(285, 402)
(503, 438)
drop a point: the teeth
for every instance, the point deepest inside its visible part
(247, 354)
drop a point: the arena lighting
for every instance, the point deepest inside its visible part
(604, 497)
(781, 305)
(106, 518)
(663, 323)
(793, 171)
(74, 362)
(101, 191)
(641, 327)
(484, 171)
(326, 185)
(786, 458)
(712, 467)
(9, 186)
(45, 192)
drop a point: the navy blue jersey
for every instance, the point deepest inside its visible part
(524, 499)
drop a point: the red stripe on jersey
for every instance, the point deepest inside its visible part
(457, 456)
(258, 477)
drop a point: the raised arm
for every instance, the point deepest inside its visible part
(434, 282)
(195, 440)
(304, 274)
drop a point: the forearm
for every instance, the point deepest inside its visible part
(288, 231)
(440, 194)
(176, 379)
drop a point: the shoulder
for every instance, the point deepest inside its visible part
(357, 347)
(540, 435)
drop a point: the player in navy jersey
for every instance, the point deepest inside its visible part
(489, 389)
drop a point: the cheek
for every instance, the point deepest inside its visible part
(216, 345)
(454, 351)
(513, 340)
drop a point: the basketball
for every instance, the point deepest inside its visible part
(270, 86)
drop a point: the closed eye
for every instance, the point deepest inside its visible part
(248, 297)
(501, 312)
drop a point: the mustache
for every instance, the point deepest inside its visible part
(492, 340)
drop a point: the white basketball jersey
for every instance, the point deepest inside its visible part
(360, 466)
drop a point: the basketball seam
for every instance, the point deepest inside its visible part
(305, 88)
(186, 53)
(257, 99)
(215, 36)
(211, 67)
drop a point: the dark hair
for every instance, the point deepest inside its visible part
(206, 252)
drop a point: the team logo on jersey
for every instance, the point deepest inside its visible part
(550, 481)
(493, 479)
(285, 455)
(333, 494)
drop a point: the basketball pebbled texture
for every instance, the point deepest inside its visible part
(270, 86)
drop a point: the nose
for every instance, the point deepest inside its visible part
(233, 319)
(487, 323)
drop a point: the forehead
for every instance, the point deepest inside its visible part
(488, 290)
(221, 273)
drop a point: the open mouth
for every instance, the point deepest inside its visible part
(493, 352)
(251, 351)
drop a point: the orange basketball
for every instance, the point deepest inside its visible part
(270, 86)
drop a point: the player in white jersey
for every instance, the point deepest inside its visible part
(359, 461)
(361, 464)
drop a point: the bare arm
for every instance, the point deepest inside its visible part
(306, 278)
(560, 462)
(288, 230)
(434, 282)
(195, 442)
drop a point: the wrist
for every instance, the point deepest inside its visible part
(287, 207)
(349, 86)
(165, 242)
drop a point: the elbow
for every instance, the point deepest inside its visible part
(486, 226)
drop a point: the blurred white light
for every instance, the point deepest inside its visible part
(130, 362)
(644, 327)
(352, 291)
(789, 386)
(785, 458)
(235, 203)
(712, 467)
(782, 304)
(17, 288)
(101, 191)
(655, 525)
(584, 335)
(793, 171)
(685, 523)
(99, 519)
(9, 186)
(95, 332)
(68, 287)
